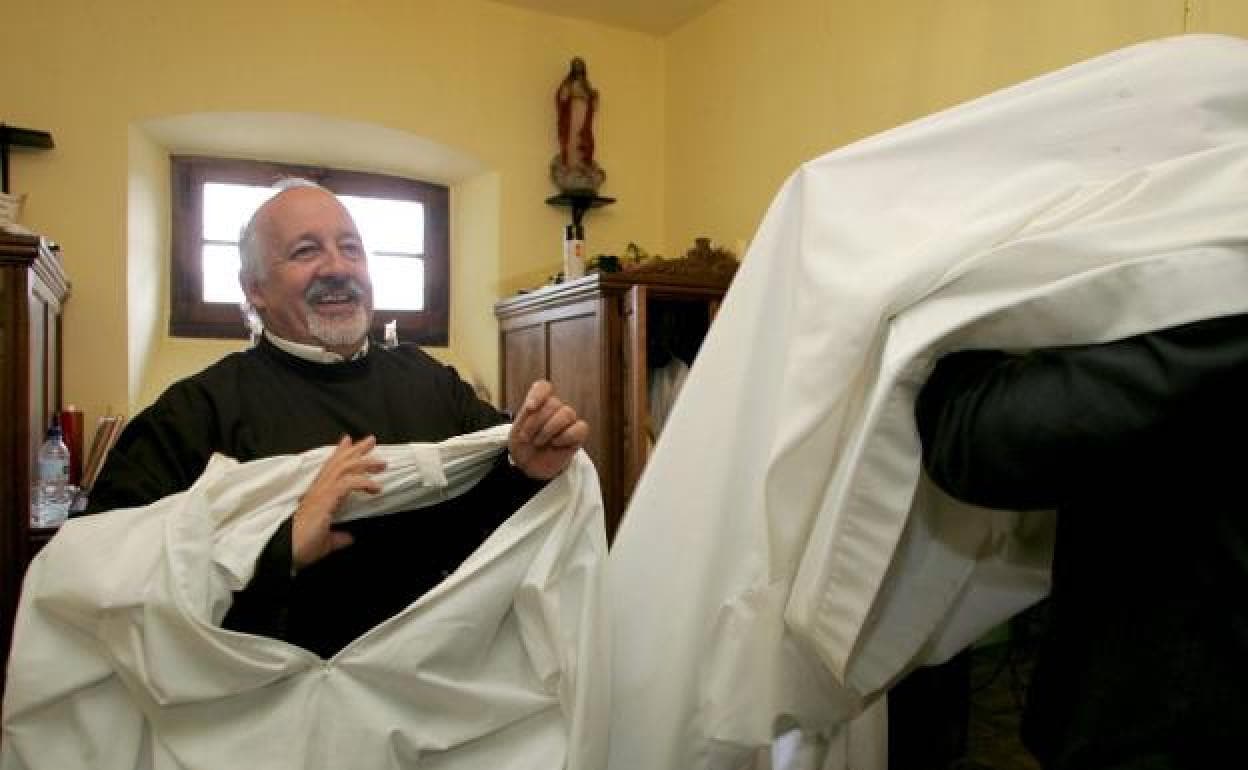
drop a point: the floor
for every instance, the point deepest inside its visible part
(999, 676)
(966, 714)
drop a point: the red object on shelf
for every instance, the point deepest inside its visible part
(71, 427)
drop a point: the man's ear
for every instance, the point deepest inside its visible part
(251, 290)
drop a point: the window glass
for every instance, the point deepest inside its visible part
(220, 265)
(389, 226)
(398, 282)
(227, 207)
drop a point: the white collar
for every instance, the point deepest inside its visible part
(314, 353)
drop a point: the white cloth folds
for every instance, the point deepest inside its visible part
(119, 662)
(665, 383)
(782, 559)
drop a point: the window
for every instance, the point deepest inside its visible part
(404, 224)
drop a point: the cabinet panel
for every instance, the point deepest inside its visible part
(37, 413)
(576, 372)
(524, 360)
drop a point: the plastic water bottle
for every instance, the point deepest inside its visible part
(52, 494)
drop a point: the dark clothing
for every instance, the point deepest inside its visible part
(1135, 443)
(265, 402)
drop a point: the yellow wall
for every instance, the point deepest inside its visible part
(756, 87)
(472, 75)
(1228, 17)
(476, 234)
(147, 248)
(697, 130)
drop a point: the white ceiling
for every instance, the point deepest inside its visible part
(657, 17)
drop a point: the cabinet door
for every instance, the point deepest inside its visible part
(524, 360)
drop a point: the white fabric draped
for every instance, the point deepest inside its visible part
(119, 662)
(782, 559)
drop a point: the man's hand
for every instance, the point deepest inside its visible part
(545, 434)
(346, 471)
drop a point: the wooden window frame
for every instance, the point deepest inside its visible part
(190, 316)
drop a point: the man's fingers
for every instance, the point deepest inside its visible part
(347, 455)
(531, 418)
(348, 448)
(545, 433)
(364, 465)
(548, 421)
(539, 391)
(574, 436)
(556, 423)
(357, 483)
(329, 492)
(361, 447)
(548, 424)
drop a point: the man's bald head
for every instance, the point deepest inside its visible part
(250, 245)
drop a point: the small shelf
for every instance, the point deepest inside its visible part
(12, 136)
(25, 137)
(579, 203)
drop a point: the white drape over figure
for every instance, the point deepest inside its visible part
(782, 559)
(119, 662)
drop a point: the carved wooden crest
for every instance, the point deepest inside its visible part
(700, 260)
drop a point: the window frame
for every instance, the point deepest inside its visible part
(190, 316)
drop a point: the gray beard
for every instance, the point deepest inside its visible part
(337, 332)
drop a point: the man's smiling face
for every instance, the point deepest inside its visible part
(314, 286)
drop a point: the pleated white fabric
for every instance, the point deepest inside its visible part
(783, 560)
(119, 662)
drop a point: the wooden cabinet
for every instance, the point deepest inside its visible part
(595, 339)
(33, 290)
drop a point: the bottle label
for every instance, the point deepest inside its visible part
(573, 259)
(53, 469)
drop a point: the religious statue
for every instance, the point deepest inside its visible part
(573, 169)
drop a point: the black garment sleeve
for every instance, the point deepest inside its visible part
(474, 414)
(1026, 431)
(263, 606)
(163, 450)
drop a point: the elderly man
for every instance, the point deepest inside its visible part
(312, 380)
